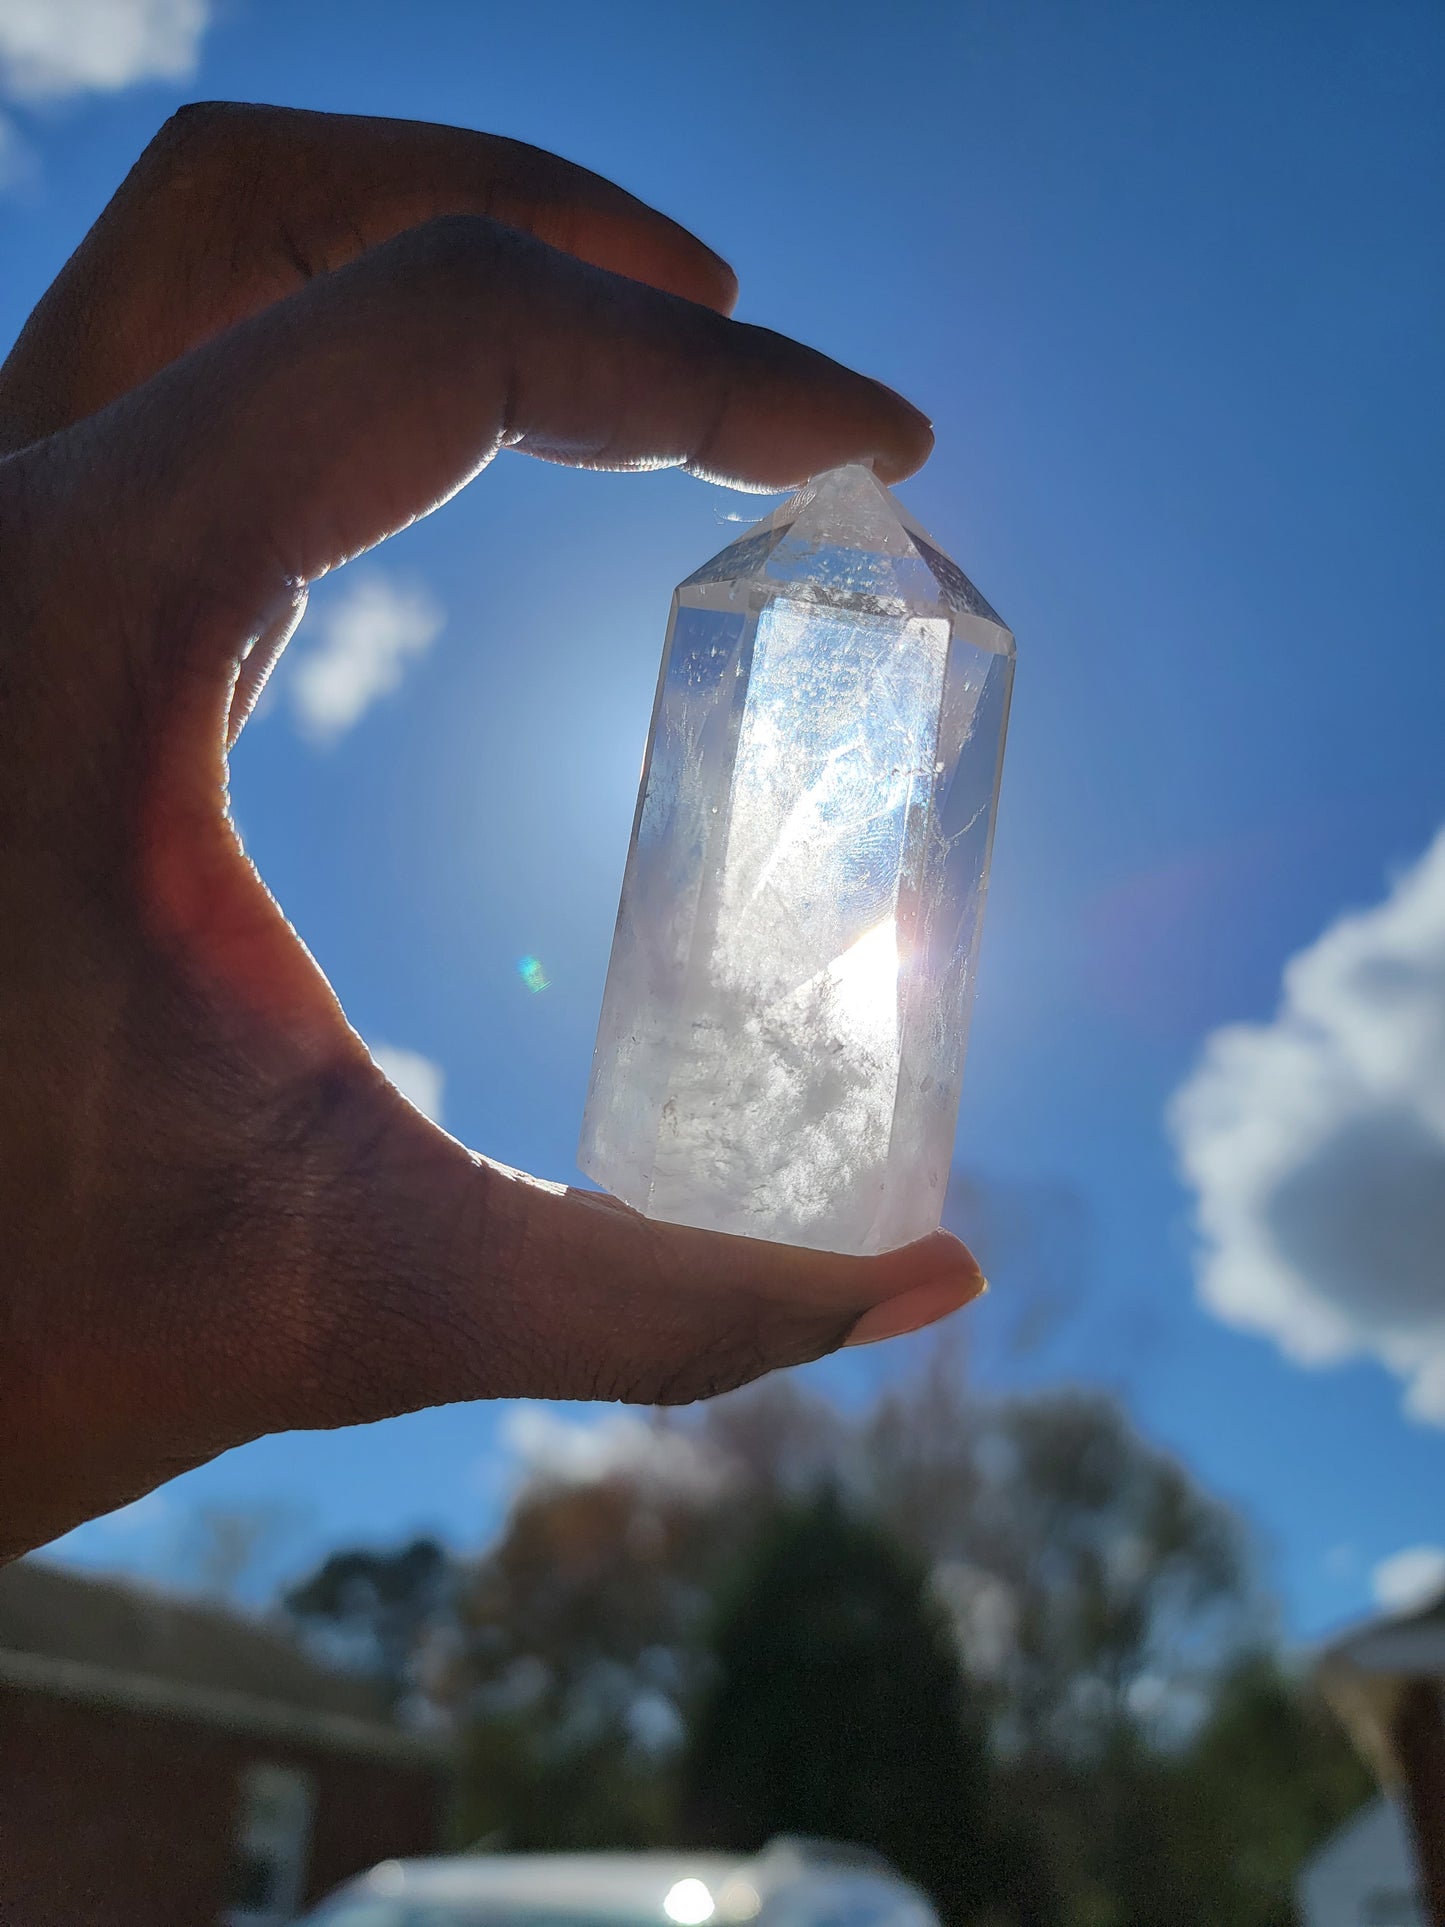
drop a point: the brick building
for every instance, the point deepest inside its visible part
(175, 1764)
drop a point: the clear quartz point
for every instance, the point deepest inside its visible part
(782, 1035)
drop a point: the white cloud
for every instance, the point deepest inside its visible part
(1315, 1146)
(1409, 1579)
(418, 1079)
(365, 639)
(51, 48)
(17, 160)
(612, 1444)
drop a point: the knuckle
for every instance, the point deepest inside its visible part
(208, 159)
(200, 130)
(474, 247)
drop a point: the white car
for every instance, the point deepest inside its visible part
(792, 1884)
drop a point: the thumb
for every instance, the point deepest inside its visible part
(432, 1275)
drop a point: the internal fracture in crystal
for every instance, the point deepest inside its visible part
(782, 1038)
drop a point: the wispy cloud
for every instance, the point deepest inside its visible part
(562, 1450)
(419, 1080)
(50, 49)
(1315, 1146)
(1410, 1578)
(364, 641)
(17, 158)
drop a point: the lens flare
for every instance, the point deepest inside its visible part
(689, 1903)
(532, 974)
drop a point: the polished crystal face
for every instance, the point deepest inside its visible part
(782, 1036)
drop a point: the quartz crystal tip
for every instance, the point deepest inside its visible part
(781, 1046)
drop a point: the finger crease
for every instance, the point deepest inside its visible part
(291, 249)
(705, 444)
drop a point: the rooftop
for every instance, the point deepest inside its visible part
(113, 1643)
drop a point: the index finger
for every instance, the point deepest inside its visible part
(233, 207)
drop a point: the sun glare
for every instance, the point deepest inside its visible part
(689, 1903)
(865, 982)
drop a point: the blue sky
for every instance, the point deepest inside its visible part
(1167, 279)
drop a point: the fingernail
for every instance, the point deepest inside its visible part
(911, 406)
(912, 1310)
(901, 461)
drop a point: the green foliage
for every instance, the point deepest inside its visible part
(1208, 1830)
(1009, 1644)
(1267, 1778)
(837, 1709)
(577, 1645)
(374, 1609)
(519, 1794)
(1111, 1569)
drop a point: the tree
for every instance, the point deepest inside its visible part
(1145, 1764)
(1116, 1574)
(837, 1709)
(1268, 1776)
(581, 1627)
(579, 1644)
(222, 1551)
(374, 1610)
(1097, 1595)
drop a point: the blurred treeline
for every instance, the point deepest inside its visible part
(1007, 1644)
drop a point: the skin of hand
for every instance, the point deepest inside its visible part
(287, 336)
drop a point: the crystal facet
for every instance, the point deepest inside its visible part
(782, 1036)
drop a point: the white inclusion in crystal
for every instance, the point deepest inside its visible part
(781, 1045)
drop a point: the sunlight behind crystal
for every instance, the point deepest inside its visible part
(781, 1041)
(865, 987)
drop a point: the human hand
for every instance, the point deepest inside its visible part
(288, 336)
